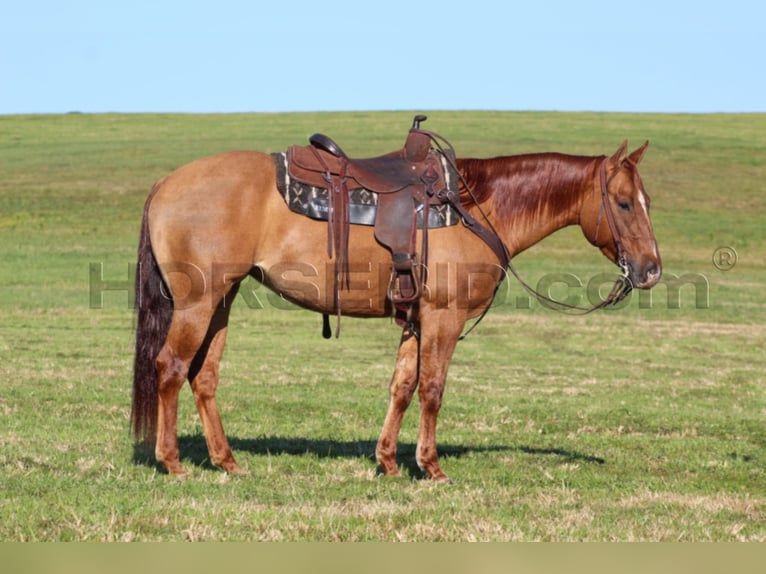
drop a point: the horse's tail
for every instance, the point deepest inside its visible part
(154, 311)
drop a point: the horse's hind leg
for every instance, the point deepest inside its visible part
(187, 332)
(204, 381)
(193, 350)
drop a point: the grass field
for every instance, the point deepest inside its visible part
(643, 423)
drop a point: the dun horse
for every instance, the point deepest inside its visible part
(213, 222)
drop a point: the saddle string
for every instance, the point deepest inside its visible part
(337, 236)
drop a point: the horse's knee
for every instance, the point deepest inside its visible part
(402, 393)
(204, 386)
(430, 396)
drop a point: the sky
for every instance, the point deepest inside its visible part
(335, 55)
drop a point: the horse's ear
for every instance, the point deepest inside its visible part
(621, 153)
(636, 156)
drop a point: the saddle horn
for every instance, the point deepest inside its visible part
(416, 122)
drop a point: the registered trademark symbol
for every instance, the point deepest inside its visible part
(724, 258)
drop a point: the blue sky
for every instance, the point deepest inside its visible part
(324, 55)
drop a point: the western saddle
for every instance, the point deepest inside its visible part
(408, 182)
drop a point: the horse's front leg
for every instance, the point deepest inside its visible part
(439, 335)
(401, 390)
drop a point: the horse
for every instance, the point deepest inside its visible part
(217, 220)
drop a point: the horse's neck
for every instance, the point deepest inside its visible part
(529, 197)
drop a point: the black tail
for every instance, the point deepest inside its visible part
(154, 311)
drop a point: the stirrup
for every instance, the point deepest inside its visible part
(405, 285)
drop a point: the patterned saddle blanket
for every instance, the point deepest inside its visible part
(314, 201)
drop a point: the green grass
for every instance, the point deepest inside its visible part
(645, 423)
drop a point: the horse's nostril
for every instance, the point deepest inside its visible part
(652, 274)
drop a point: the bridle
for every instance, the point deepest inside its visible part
(622, 286)
(606, 208)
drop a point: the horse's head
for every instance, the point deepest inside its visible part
(616, 219)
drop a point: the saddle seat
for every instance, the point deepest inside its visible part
(387, 173)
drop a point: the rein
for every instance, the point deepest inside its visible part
(622, 286)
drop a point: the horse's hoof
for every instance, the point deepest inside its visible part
(177, 472)
(234, 469)
(175, 469)
(390, 472)
(441, 479)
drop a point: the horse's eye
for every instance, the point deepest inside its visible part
(624, 205)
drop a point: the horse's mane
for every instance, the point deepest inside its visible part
(525, 185)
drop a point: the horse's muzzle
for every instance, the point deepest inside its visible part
(646, 277)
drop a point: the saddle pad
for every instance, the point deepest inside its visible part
(362, 206)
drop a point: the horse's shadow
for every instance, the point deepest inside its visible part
(194, 449)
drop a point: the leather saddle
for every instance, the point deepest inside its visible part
(407, 180)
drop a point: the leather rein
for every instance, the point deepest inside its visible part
(622, 287)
